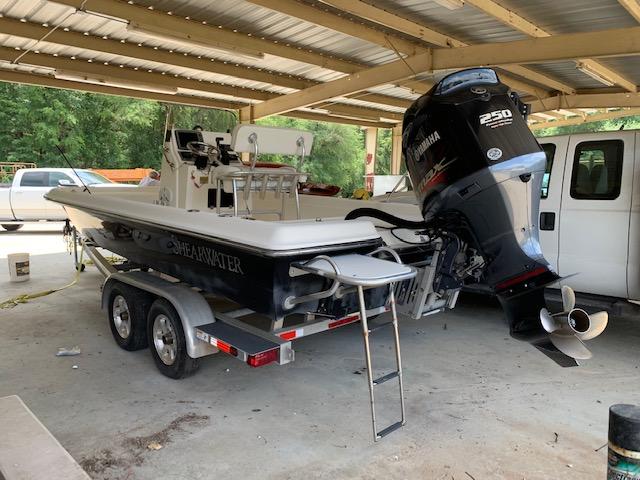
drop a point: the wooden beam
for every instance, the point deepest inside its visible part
(142, 77)
(192, 101)
(59, 36)
(208, 34)
(158, 80)
(48, 81)
(391, 20)
(633, 7)
(327, 19)
(388, 73)
(514, 20)
(396, 149)
(80, 40)
(318, 117)
(616, 42)
(408, 27)
(586, 100)
(358, 111)
(596, 117)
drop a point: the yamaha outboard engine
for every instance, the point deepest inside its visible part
(477, 171)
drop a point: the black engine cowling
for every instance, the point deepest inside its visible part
(477, 170)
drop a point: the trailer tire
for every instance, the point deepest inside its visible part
(127, 310)
(167, 341)
(12, 227)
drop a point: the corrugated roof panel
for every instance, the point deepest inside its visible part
(569, 16)
(466, 24)
(568, 72)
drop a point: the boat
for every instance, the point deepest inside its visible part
(241, 229)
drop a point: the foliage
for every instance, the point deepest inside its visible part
(337, 156)
(102, 131)
(627, 123)
(383, 152)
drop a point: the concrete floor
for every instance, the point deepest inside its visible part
(480, 405)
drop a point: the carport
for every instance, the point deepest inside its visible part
(483, 406)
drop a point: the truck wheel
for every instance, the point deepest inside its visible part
(128, 308)
(167, 341)
(12, 227)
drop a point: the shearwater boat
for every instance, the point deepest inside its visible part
(241, 230)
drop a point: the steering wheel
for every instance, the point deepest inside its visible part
(201, 149)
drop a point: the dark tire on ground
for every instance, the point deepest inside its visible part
(12, 227)
(127, 310)
(167, 341)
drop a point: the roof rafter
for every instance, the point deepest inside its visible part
(408, 27)
(192, 101)
(206, 34)
(34, 31)
(632, 7)
(577, 120)
(158, 80)
(516, 21)
(617, 42)
(586, 100)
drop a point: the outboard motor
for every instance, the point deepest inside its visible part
(477, 171)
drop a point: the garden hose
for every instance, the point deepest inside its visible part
(24, 298)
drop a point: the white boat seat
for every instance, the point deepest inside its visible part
(359, 270)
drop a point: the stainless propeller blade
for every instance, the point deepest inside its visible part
(568, 299)
(548, 322)
(570, 327)
(599, 321)
(570, 344)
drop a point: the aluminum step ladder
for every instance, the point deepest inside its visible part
(353, 272)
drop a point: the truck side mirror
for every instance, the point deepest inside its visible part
(66, 183)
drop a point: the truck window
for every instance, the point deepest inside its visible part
(55, 177)
(597, 170)
(34, 179)
(550, 152)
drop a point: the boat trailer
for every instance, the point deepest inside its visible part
(209, 324)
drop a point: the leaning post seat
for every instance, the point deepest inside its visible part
(283, 181)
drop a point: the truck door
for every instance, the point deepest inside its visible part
(27, 199)
(55, 211)
(551, 196)
(595, 212)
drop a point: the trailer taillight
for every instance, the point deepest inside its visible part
(226, 348)
(264, 358)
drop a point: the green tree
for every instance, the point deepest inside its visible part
(102, 131)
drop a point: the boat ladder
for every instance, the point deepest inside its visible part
(353, 272)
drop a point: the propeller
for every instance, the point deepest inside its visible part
(569, 328)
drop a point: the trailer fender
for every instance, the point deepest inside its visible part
(190, 305)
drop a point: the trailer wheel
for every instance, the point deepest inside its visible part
(12, 227)
(128, 308)
(167, 341)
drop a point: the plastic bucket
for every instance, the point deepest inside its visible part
(18, 267)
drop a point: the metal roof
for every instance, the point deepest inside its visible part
(469, 24)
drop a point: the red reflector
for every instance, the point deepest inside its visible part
(288, 335)
(521, 278)
(264, 358)
(226, 348)
(344, 321)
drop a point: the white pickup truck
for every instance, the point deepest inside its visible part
(22, 200)
(590, 212)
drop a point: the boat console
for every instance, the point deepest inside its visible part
(210, 163)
